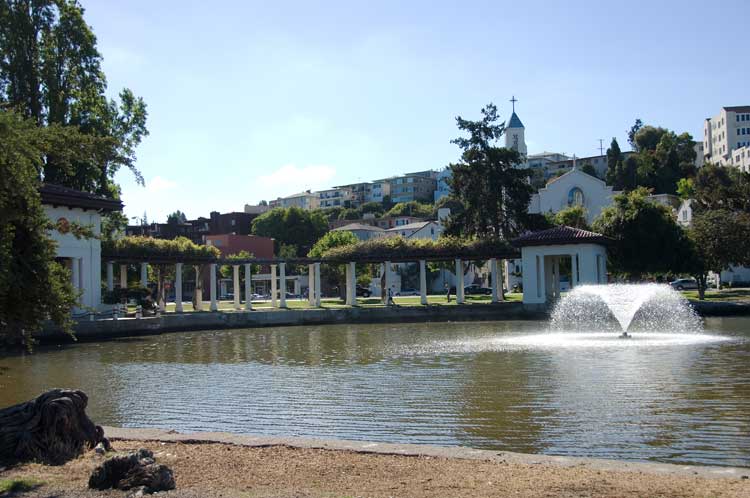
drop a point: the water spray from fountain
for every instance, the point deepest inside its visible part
(625, 308)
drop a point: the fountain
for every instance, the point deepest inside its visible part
(625, 308)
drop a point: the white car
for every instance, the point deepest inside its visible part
(407, 292)
(684, 284)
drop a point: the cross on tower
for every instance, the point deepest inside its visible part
(513, 100)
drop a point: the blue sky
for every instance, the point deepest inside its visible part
(254, 100)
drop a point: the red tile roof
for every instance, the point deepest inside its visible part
(559, 236)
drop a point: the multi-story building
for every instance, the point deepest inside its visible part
(304, 200)
(359, 193)
(723, 134)
(419, 186)
(256, 209)
(235, 223)
(699, 154)
(741, 159)
(335, 197)
(378, 190)
(443, 188)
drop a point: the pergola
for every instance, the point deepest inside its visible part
(279, 265)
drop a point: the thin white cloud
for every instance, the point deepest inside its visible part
(159, 184)
(291, 179)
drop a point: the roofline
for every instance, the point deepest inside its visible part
(72, 198)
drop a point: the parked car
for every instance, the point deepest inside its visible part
(477, 289)
(684, 284)
(363, 291)
(408, 292)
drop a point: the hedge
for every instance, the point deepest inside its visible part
(156, 250)
(400, 248)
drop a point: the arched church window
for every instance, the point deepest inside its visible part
(575, 197)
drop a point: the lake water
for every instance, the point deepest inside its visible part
(491, 385)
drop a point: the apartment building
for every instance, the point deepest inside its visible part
(725, 133)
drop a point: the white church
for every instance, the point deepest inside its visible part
(573, 188)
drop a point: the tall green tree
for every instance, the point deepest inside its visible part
(33, 286)
(333, 273)
(176, 218)
(573, 216)
(486, 180)
(647, 239)
(632, 132)
(718, 187)
(589, 169)
(614, 165)
(50, 71)
(664, 158)
(291, 227)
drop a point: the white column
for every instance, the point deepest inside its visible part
(212, 287)
(500, 280)
(236, 282)
(422, 282)
(352, 283)
(459, 282)
(387, 271)
(75, 273)
(311, 284)
(248, 287)
(110, 276)
(573, 271)
(282, 285)
(493, 277)
(555, 277)
(274, 291)
(348, 280)
(317, 285)
(123, 276)
(144, 274)
(198, 291)
(178, 287)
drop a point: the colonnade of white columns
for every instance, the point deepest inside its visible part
(278, 283)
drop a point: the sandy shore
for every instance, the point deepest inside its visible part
(226, 470)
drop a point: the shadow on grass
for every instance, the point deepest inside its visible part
(17, 486)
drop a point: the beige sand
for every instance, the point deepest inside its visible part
(208, 470)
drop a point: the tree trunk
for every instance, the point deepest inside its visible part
(51, 429)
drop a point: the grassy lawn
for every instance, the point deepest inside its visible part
(737, 295)
(336, 303)
(18, 485)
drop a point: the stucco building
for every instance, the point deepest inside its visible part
(81, 256)
(726, 132)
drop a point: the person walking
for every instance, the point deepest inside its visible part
(448, 293)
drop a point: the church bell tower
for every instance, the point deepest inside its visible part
(515, 132)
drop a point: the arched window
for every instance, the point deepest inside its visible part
(575, 197)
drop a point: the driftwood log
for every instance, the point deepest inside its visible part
(132, 471)
(51, 429)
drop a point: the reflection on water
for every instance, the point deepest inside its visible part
(495, 385)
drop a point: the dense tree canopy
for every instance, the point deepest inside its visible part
(647, 238)
(32, 285)
(663, 158)
(494, 193)
(291, 227)
(333, 273)
(573, 216)
(50, 72)
(176, 218)
(411, 208)
(721, 187)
